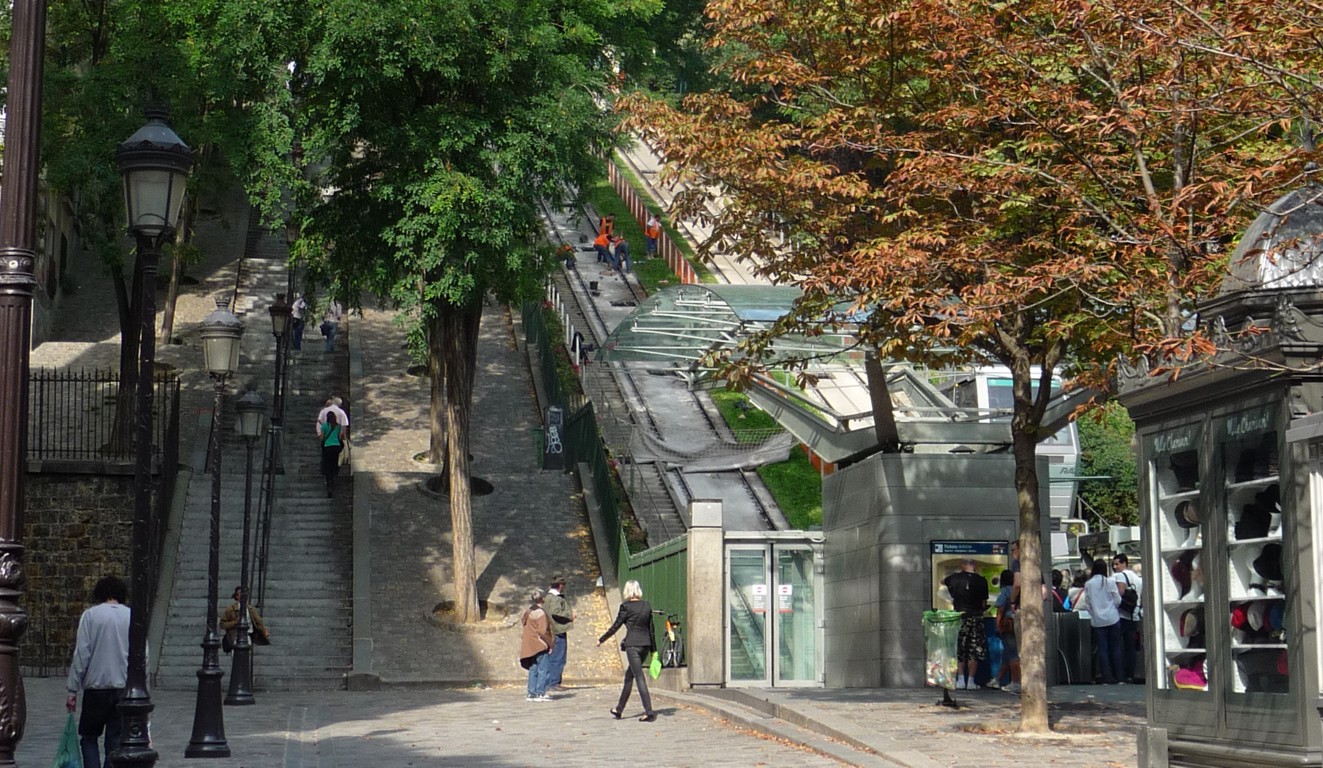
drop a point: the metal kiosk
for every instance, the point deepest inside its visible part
(1230, 486)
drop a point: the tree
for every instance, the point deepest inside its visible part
(1035, 183)
(441, 127)
(1107, 452)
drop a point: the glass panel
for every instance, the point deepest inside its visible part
(1256, 582)
(748, 602)
(796, 627)
(1181, 625)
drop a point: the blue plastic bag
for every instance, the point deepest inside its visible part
(69, 755)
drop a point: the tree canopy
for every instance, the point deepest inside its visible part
(1035, 183)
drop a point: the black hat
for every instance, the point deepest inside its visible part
(1269, 562)
(1186, 468)
(1182, 572)
(1255, 520)
(1270, 498)
(1187, 514)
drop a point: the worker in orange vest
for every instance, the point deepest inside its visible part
(603, 247)
(651, 233)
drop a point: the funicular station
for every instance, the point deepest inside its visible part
(842, 606)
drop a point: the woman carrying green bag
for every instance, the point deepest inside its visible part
(635, 616)
(68, 755)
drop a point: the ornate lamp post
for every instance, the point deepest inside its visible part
(221, 332)
(154, 164)
(252, 409)
(280, 314)
(18, 255)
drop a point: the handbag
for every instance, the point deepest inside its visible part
(655, 666)
(70, 755)
(326, 327)
(344, 452)
(227, 640)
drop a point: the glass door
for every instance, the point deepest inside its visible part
(748, 601)
(796, 616)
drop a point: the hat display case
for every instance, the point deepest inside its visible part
(1248, 416)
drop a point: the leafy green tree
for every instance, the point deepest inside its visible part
(438, 128)
(1107, 452)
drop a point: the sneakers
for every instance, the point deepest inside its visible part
(1012, 688)
(961, 683)
(993, 684)
(544, 697)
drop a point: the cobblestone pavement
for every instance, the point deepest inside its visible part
(472, 727)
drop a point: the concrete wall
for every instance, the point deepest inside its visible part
(879, 517)
(76, 529)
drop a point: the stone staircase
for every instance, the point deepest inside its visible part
(306, 599)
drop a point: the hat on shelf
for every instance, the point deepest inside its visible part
(1245, 465)
(1270, 498)
(1185, 466)
(1187, 514)
(1255, 520)
(1190, 678)
(1239, 617)
(1192, 628)
(1257, 615)
(1282, 666)
(1182, 571)
(1277, 615)
(1269, 562)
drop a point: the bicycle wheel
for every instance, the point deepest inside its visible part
(673, 655)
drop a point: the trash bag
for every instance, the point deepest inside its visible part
(69, 754)
(941, 633)
(655, 666)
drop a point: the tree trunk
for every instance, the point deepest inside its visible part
(436, 414)
(459, 338)
(1025, 419)
(186, 218)
(884, 415)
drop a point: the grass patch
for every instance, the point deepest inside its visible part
(565, 373)
(749, 423)
(797, 487)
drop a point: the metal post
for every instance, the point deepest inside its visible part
(18, 223)
(241, 671)
(208, 716)
(136, 707)
(278, 403)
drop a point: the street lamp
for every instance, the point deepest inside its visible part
(154, 164)
(18, 256)
(280, 314)
(251, 408)
(221, 332)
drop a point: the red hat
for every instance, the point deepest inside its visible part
(1240, 617)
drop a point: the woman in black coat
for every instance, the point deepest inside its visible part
(636, 617)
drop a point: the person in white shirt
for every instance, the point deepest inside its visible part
(100, 669)
(1130, 619)
(1102, 600)
(333, 405)
(298, 312)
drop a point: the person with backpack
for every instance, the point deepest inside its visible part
(1131, 587)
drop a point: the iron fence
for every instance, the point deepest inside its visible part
(89, 416)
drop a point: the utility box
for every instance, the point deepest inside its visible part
(553, 446)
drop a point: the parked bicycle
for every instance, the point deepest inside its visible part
(672, 649)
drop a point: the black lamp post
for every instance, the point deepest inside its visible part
(221, 332)
(251, 408)
(18, 256)
(154, 164)
(280, 314)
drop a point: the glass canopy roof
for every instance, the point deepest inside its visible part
(683, 323)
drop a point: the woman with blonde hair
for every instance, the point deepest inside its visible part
(635, 615)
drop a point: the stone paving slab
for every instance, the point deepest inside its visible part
(474, 727)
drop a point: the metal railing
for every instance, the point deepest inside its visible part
(89, 415)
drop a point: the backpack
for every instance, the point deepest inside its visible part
(1129, 598)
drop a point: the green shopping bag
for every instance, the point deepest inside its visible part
(654, 667)
(69, 756)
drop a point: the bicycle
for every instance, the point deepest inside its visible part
(672, 650)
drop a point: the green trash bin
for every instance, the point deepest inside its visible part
(941, 635)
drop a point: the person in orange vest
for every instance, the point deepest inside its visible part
(651, 233)
(607, 224)
(603, 247)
